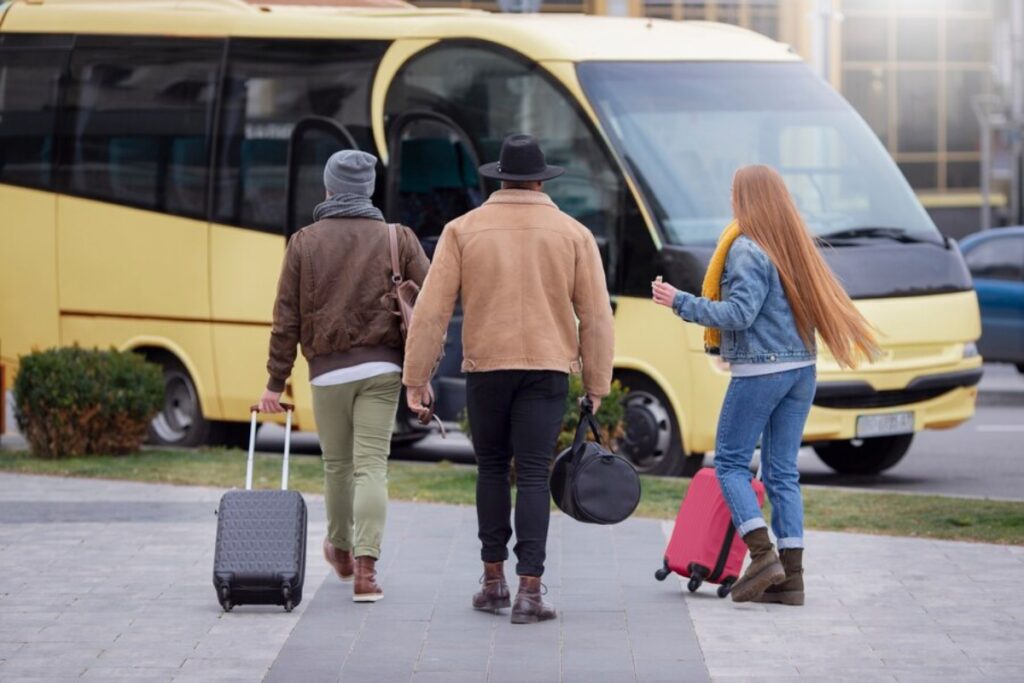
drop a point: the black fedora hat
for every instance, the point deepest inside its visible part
(521, 161)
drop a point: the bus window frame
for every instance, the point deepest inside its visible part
(312, 123)
(611, 245)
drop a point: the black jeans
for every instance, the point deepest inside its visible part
(515, 412)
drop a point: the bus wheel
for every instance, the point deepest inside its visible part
(864, 456)
(652, 441)
(180, 421)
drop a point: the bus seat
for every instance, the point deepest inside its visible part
(133, 168)
(429, 164)
(187, 176)
(437, 183)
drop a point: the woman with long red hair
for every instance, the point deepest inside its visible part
(767, 294)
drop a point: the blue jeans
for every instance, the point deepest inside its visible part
(773, 408)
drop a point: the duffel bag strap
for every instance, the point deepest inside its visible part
(586, 421)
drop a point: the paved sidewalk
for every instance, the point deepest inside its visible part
(111, 580)
(878, 609)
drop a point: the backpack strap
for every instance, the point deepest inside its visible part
(396, 270)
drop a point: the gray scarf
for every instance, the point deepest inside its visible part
(347, 206)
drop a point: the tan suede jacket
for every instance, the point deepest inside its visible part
(329, 297)
(526, 272)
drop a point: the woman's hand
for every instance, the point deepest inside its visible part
(663, 293)
(270, 402)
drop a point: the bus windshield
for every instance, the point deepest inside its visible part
(685, 127)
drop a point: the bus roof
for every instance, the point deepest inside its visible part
(543, 37)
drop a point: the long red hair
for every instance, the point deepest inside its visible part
(766, 214)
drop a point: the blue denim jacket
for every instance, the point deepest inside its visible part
(754, 314)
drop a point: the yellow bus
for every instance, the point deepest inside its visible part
(156, 154)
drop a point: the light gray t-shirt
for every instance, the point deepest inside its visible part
(757, 369)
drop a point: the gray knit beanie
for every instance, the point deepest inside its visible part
(350, 172)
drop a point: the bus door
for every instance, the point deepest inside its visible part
(432, 178)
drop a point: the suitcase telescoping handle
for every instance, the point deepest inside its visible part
(254, 411)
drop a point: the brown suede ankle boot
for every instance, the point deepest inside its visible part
(494, 595)
(340, 560)
(790, 591)
(764, 570)
(530, 607)
(366, 588)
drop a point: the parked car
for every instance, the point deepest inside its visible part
(996, 261)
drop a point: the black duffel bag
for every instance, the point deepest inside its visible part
(590, 483)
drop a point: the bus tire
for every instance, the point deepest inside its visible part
(653, 441)
(180, 422)
(864, 456)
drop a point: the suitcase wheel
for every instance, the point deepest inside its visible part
(663, 573)
(225, 599)
(726, 588)
(286, 593)
(694, 583)
(289, 605)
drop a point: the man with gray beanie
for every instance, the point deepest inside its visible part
(333, 299)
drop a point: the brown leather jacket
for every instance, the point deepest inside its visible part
(335, 275)
(527, 273)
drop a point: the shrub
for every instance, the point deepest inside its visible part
(609, 416)
(73, 401)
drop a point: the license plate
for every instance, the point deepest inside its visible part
(884, 425)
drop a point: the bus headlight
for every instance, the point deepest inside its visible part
(970, 350)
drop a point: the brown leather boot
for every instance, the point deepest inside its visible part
(764, 570)
(366, 588)
(790, 591)
(494, 595)
(340, 560)
(530, 607)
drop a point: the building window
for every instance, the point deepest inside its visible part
(911, 69)
(136, 121)
(757, 15)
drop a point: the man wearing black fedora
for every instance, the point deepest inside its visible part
(526, 272)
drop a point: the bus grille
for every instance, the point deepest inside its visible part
(880, 399)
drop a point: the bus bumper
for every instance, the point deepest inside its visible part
(947, 410)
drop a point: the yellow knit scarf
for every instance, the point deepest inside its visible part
(712, 287)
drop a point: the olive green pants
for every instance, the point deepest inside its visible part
(354, 422)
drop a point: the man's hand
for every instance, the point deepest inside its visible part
(419, 399)
(270, 402)
(663, 293)
(595, 401)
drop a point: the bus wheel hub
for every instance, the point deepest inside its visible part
(648, 429)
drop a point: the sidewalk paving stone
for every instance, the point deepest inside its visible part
(136, 603)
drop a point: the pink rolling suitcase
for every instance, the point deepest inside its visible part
(704, 544)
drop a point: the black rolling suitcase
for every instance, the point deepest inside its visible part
(260, 558)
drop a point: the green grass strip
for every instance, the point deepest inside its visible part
(897, 514)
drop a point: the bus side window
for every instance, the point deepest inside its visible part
(269, 86)
(137, 121)
(30, 71)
